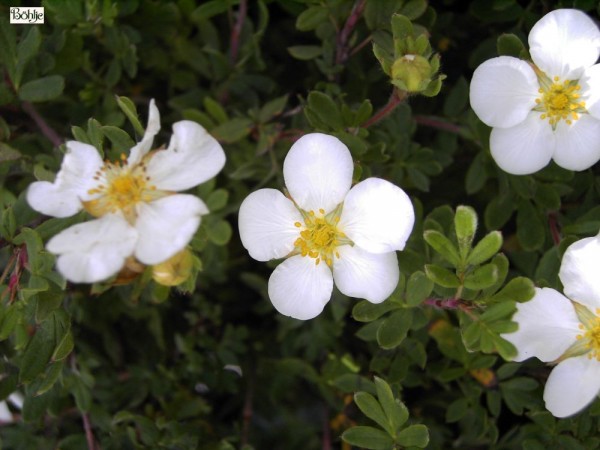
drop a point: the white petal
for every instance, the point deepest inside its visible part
(318, 171)
(358, 273)
(138, 151)
(548, 326)
(166, 226)
(266, 224)
(572, 385)
(590, 90)
(299, 288)
(5, 414)
(579, 272)
(564, 42)
(377, 216)
(93, 251)
(193, 157)
(524, 148)
(76, 176)
(578, 144)
(503, 91)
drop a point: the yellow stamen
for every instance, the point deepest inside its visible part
(559, 101)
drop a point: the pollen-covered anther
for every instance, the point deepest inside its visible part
(560, 101)
(592, 337)
(320, 237)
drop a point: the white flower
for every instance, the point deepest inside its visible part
(548, 109)
(326, 230)
(556, 329)
(138, 211)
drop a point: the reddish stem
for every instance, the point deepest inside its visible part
(46, 129)
(439, 124)
(89, 434)
(236, 31)
(396, 98)
(343, 36)
(553, 223)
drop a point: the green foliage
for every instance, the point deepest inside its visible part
(209, 364)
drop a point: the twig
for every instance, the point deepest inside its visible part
(46, 129)
(236, 32)
(433, 122)
(552, 223)
(342, 38)
(443, 303)
(89, 434)
(396, 98)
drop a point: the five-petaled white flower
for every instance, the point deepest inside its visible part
(326, 230)
(558, 330)
(139, 214)
(548, 109)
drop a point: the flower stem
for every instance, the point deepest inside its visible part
(46, 129)
(433, 122)
(236, 31)
(552, 223)
(396, 98)
(342, 50)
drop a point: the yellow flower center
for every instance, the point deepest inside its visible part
(120, 187)
(591, 336)
(559, 101)
(320, 237)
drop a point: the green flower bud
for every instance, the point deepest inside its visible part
(411, 73)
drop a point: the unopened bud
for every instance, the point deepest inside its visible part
(411, 73)
(174, 270)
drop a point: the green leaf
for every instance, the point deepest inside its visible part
(119, 139)
(211, 8)
(486, 248)
(498, 311)
(7, 153)
(9, 317)
(509, 44)
(232, 130)
(441, 276)
(365, 311)
(82, 394)
(272, 108)
(519, 289)
(402, 27)
(414, 436)
(50, 378)
(418, 288)
(371, 408)
(311, 18)
(393, 330)
(482, 277)
(26, 50)
(530, 228)
(305, 52)
(217, 200)
(64, 347)
(413, 9)
(465, 223)
(42, 345)
(368, 438)
(498, 211)
(95, 134)
(130, 111)
(215, 110)
(325, 109)
(219, 232)
(42, 89)
(457, 99)
(394, 409)
(443, 246)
